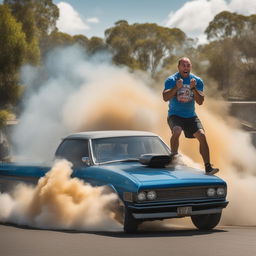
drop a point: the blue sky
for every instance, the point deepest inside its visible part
(108, 12)
(92, 18)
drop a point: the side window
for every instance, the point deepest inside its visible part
(73, 150)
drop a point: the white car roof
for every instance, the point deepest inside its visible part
(109, 134)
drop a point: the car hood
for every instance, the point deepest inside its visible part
(173, 175)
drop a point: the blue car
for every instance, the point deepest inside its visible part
(137, 166)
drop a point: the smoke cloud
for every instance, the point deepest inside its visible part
(77, 94)
(80, 93)
(59, 202)
(232, 151)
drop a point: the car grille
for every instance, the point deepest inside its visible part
(182, 193)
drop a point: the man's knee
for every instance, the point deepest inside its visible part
(176, 131)
(200, 135)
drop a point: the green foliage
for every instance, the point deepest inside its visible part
(12, 54)
(232, 54)
(227, 24)
(33, 53)
(47, 14)
(220, 55)
(38, 19)
(81, 40)
(4, 114)
(144, 46)
(42, 14)
(95, 44)
(57, 39)
(24, 14)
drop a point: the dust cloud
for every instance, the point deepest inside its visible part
(60, 202)
(80, 93)
(233, 152)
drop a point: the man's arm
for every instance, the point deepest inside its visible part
(198, 95)
(170, 93)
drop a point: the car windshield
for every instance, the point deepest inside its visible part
(126, 148)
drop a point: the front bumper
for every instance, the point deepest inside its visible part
(165, 211)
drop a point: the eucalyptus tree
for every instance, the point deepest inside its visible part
(232, 53)
(43, 14)
(57, 39)
(144, 46)
(13, 49)
(38, 18)
(95, 45)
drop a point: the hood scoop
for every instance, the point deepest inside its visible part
(155, 161)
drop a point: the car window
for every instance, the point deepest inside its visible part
(130, 147)
(73, 150)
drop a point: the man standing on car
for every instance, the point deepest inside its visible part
(182, 90)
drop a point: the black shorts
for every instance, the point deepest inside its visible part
(188, 125)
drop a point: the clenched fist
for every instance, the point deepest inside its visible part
(192, 83)
(179, 83)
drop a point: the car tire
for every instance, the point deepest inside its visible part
(206, 221)
(130, 224)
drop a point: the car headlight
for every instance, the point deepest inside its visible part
(141, 196)
(221, 191)
(211, 192)
(151, 195)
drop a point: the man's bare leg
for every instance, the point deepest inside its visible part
(176, 132)
(204, 151)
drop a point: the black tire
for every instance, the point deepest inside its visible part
(130, 224)
(206, 221)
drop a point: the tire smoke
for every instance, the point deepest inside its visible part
(80, 94)
(59, 202)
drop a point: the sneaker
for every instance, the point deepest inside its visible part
(209, 170)
(172, 155)
(176, 159)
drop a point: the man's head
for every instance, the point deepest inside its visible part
(184, 66)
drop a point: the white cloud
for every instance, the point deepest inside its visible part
(70, 21)
(93, 20)
(245, 7)
(194, 16)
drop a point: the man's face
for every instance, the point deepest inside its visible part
(184, 68)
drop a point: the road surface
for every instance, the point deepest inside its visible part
(171, 241)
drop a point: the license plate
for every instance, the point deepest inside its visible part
(184, 211)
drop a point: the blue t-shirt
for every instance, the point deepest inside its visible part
(183, 103)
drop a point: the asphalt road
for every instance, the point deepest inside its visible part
(171, 241)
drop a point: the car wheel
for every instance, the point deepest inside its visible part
(130, 224)
(206, 221)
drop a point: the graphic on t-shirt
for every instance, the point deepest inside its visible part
(184, 94)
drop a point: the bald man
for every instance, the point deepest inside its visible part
(182, 90)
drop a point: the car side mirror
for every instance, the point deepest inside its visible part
(86, 160)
